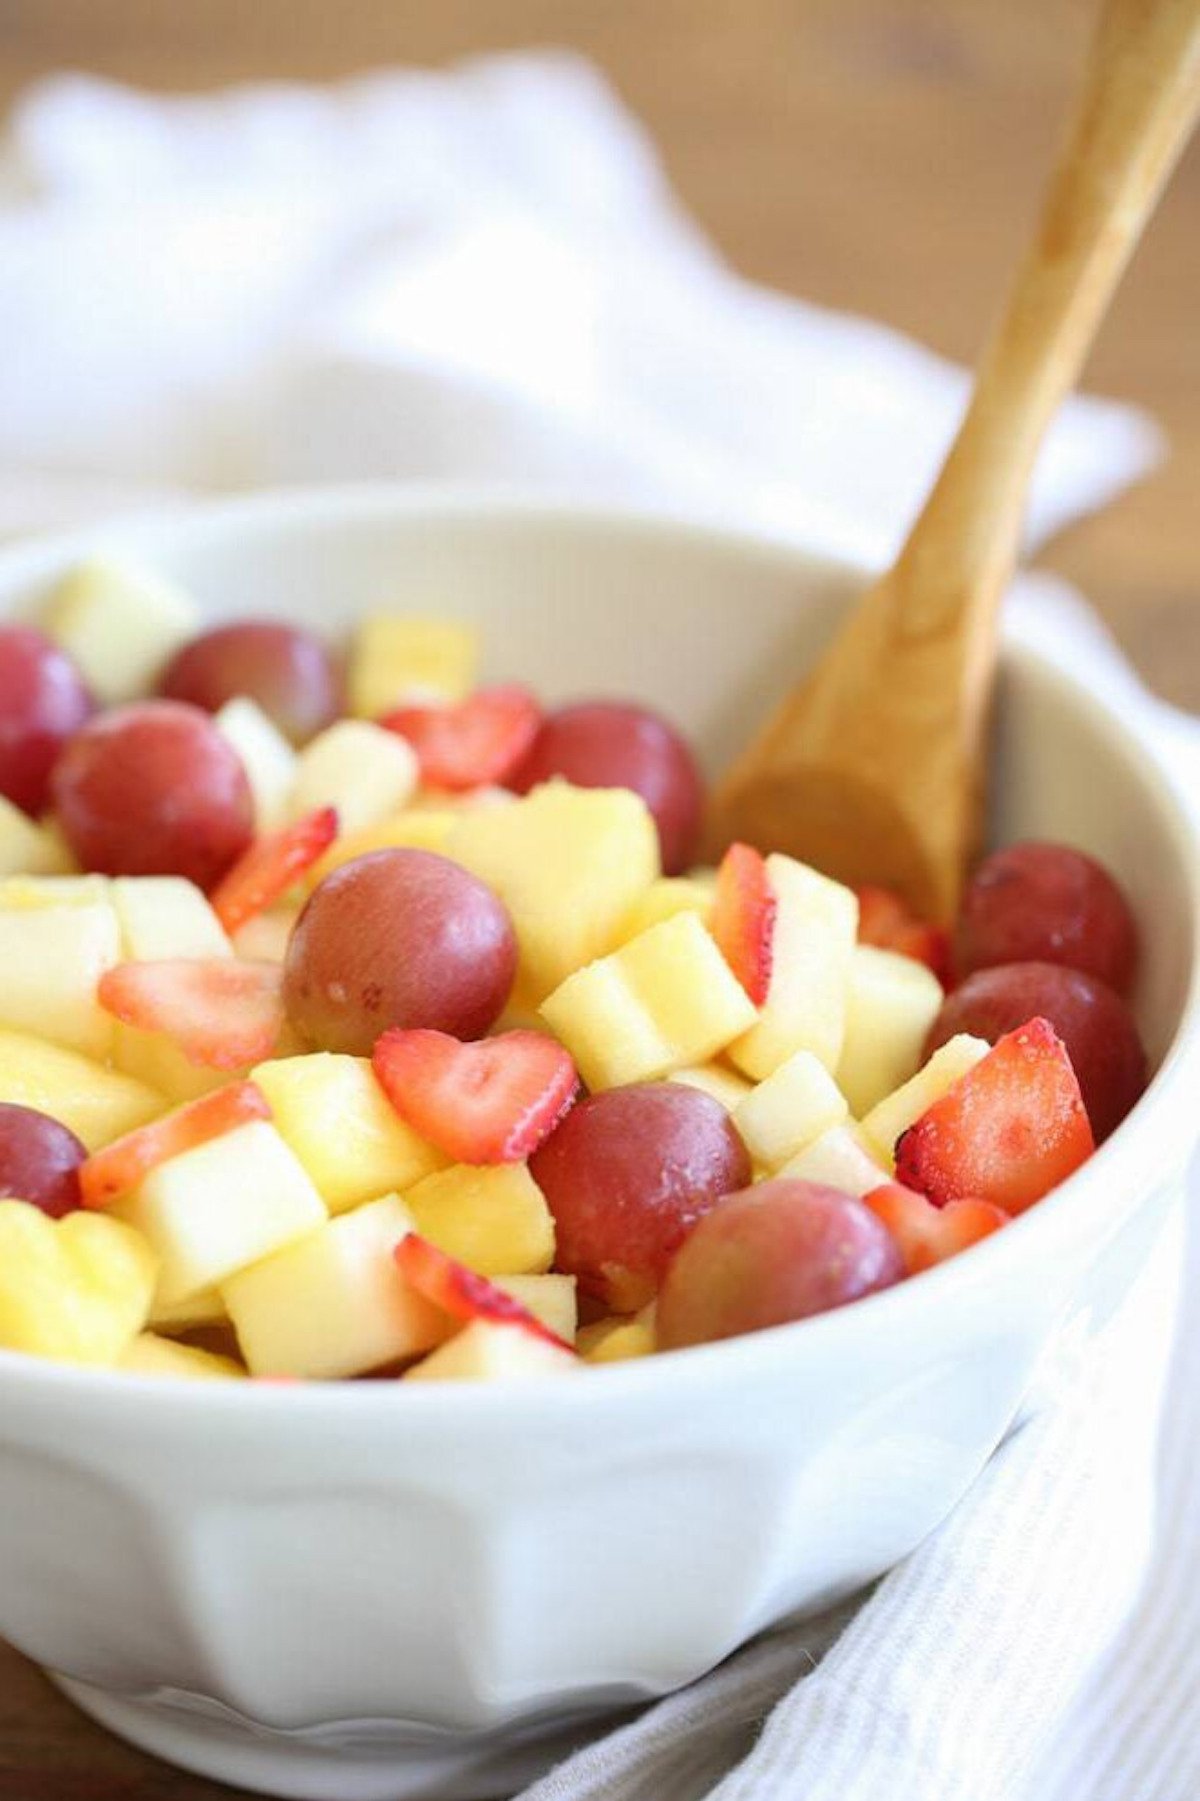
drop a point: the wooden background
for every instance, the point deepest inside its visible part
(878, 155)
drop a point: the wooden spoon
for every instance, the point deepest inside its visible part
(873, 769)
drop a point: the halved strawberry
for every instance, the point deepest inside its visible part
(1008, 1131)
(886, 921)
(479, 741)
(927, 1234)
(122, 1165)
(221, 1012)
(489, 1102)
(461, 1293)
(743, 919)
(270, 867)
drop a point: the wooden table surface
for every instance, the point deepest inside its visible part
(878, 155)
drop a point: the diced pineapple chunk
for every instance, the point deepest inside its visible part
(334, 1304)
(795, 1104)
(25, 845)
(76, 1289)
(166, 916)
(120, 624)
(157, 1060)
(397, 660)
(267, 757)
(150, 1355)
(841, 1158)
(53, 959)
(336, 1118)
(671, 894)
(364, 771)
(665, 1000)
(618, 1338)
(550, 1299)
(493, 1218)
(724, 1085)
(805, 1010)
(488, 1352)
(891, 1002)
(568, 863)
(224, 1204)
(95, 1103)
(416, 828)
(203, 1309)
(894, 1115)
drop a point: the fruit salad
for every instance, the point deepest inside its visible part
(363, 1022)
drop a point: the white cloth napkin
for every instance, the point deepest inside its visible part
(483, 274)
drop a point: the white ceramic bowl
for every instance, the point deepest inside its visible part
(372, 1591)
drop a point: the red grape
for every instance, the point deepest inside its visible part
(43, 701)
(397, 938)
(1047, 903)
(627, 1175)
(39, 1160)
(780, 1251)
(1094, 1023)
(290, 673)
(613, 744)
(154, 789)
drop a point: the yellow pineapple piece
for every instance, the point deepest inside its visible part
(843, 1157)
(550, 1299)
(568, 863)
(671, 894)
(618, 1338)
(157, 1060)
(416, 828)
(165, 916)
(661, 1002)
(795, 1104)
(397, 660)
(363, 771)
(488, 1352)
(897, 1112)
(53, 958)
(150, 1355)
(120, 624)
(816, 923)
(493, 1218)
(337, 1120)
(95, 1103)
(891, 1002)
(76, 1289)
(724, 1085)
(33, 893)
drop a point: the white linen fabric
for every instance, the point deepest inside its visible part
(482, 274)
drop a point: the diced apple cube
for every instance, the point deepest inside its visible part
(26, 845)
(334, 1303)
(663, 899)
(550, 1299)
(120, 624)
(212, 1210)
(364, 771)
(76, 1289)
(95, 1103)
(415, 828)
(492, 1217)
(53, 959)
(794, 1105)
(487, 1352)
(805, 1010)
(166, 916)
(568, 863)
(891, 1002)
(203, 1309)
(150, 1355)
(618, 1338)
(724, 1085)
(397, 660)
(663, 1001)
(267, 757)
(841, 1158)
(897, 1112)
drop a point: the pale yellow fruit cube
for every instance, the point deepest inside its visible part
(26, 845)
(120, 624)
(267, 758)
(493, 1218)
(551, 1300)
(488, 1352)
(33, 893)
(203, 1309)
(165, 916)
(666, 897)
(53, 959)
(663, 1001)
(337, 1120)
(795, 1104)
(212, 1210)
(96, 1103)
(334, 1303)
(884, 1124)
(150, 1355)
(568, 863)
(816, 923)
(158, 1061)
(841, 1158)
(714, 1079)
(76, 1289)
(618, 1338)
(416, 828)
(397, 660)
(891, 1002)
(265, 937)
(367, 773)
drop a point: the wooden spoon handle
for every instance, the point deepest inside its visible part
(1140, 97)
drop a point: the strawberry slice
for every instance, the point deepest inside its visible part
(479, 741)
(459, 1292)
(270, 867)
(221, 1012)
(122, 1165)
(927, 1234)
(886, 921)
(1008, 1131)
(743, 919)
(493, 1101)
